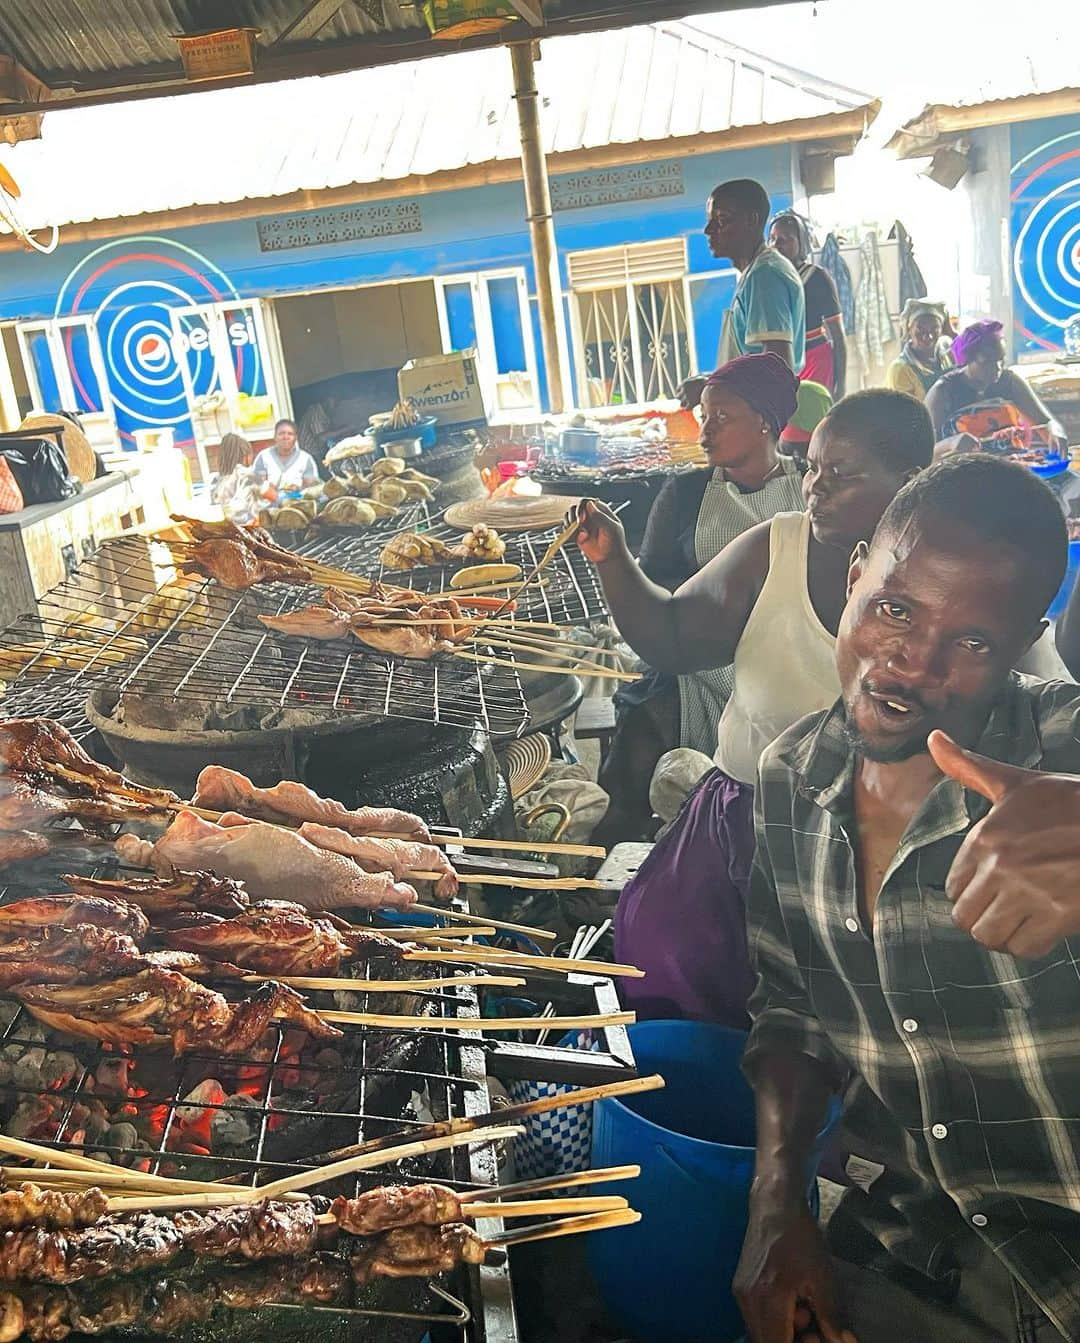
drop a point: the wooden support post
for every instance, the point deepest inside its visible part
(541, 219)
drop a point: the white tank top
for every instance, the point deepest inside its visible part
(785, 664)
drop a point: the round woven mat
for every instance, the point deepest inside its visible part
(525, 761)
(511, 515)
(80, 456)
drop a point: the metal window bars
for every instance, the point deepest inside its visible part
(127, 621)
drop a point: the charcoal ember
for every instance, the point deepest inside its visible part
(204, 1097)
(122, 1136)
(32, 1115)
(112, 1074)
(58, 1069)
(237, 1123)
(26, 1071)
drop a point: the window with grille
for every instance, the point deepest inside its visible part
(632, 322)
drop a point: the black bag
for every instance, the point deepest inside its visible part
(39, 467)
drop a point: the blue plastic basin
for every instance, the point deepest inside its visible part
(668, 1278)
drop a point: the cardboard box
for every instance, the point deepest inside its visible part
(446, 386)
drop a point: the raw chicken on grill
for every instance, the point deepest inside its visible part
(275, 864)
(290, 802)
(41, 749)
(397, 856)
(182, 893)
(156, 1007)
(234, 565)
(280, 939)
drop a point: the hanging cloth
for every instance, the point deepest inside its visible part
(912, 284)
(832, 260)
(873, 325)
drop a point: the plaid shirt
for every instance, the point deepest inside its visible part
(961, 1065)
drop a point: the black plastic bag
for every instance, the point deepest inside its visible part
(39, 467)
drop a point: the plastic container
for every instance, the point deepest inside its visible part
(426, 430)
(1057, 606)
(668, 1277)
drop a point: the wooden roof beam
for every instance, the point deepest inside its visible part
(313, 15)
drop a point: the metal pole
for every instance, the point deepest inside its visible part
(541, 220)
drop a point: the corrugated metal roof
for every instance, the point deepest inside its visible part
(422, 117)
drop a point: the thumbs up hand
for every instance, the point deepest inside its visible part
(1015, 883)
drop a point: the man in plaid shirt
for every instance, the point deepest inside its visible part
(915, 923)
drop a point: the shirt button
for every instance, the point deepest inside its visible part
(940, 1131)
(978, 1219)
(910, 1025)
(852, 925)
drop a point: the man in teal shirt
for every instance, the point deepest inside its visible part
(768, 311)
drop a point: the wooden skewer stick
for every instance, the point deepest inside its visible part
(519, 883)
(486, 1025)
(33, 1151)
(604, 672)
(388, 985)
(599, 1176)
(629, 1086)
(437, 934)
(224, 1195)
(454, 916)
(568, 1226)
(509, 845)
(533, 1208)
(493, 956)
(84, 1179)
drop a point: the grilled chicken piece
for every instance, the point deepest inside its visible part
(276, 864)
(421, 643)
(234, 565)
(310, 622)
(418, 1252)
(280, 939)
(396, 856)
(290, 802)
(54, 1209)
(68, 911)
(393, 1206)
(252, 538)
(24, 806)
(40, 748)
(181, 893)
(156, 1007)
(18, 845)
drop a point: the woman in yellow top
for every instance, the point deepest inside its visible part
(919, 364)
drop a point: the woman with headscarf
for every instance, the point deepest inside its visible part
(920, 362)
(770, 603)
(745, 406)
(981, 396)
(826, 345)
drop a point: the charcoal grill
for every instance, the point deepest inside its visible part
(571, 594)
(124, 622)
(301, 1108)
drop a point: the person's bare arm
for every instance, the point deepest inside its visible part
(700, 624)
(1030, 405)
(781, 347)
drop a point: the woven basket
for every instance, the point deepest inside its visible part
(80, 455)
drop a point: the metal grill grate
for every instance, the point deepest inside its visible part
(571, 594)
(125, 621)
(356, 1098)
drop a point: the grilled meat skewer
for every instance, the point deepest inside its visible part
(155, 1006)
(418, 1252)
(26, 917)
(52, 1209)
(40, 750)
(181, 893)
(274, 937)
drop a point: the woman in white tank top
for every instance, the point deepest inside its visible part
(770, 602)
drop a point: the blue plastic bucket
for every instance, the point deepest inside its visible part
(668, 1278)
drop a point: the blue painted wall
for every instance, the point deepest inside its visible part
(128, 284)
(1044, 194)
